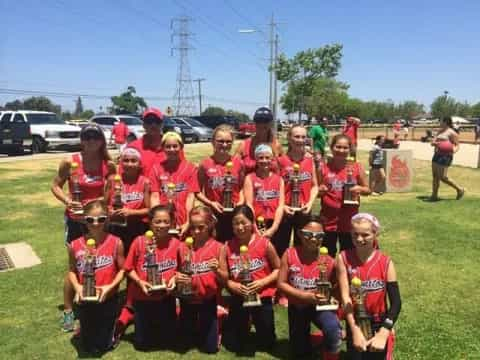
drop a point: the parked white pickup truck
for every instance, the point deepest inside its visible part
(49, 131)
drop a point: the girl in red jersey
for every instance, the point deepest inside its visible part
(198, 312)
(178, 171)
(155, 316)
(211, 179)
(332, 177)
(299, 272)
(90, 170)
(296, 157)
(263, 119)
(264, 264)
(264, 191)
(97, 319)
(375, 274)
(135, 197)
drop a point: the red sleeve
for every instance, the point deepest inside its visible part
(129, 264)
(153, 177)
(193, 185)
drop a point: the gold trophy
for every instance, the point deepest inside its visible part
(186, 290)
(171, 195)
(324, 286)
(89, 290)
(295, 186)
(349, 197)
(154, 278)
(261, 225)
(361, 316)
(118, 220)
(227, 202)
(76, 192)
(245, 277)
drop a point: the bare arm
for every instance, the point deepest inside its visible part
(313, 190)
(59, 181)
(248, 191)
(154, 199)
(279, 210)
(289, 290)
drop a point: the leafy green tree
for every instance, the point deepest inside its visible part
(78, 107)
(128, 102)
(41, 103)
(409, 109)
(67, 115)
(328, 98)
(242, 117)
(475, 110)
(300, 73)
(463, 109)
(443, 105)
(14, 105)
(87, 114)
(214, 111)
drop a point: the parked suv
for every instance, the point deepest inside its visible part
(213, 121)
(202, 133)
(15, 134)
(48, 130)
(186, 131)
(106, 122)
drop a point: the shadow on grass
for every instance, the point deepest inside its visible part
(429, 199)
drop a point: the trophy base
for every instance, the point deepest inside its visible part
(228, 209)
(90, 299)
(252, 302)
(159, 288)
(326, 307)
(174, 231)
(119, 223)
(351, 202)
(77, 212)
(296, 209)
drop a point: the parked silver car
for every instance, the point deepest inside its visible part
(202, 133)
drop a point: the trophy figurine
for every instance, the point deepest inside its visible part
(361, 316)
(154, 278)
(89, 291)
(227, 202)
(324, 286)
(295, 185)
(171, 194)
(186, 290)
(118, 220)
(76, 192)
(245, 277)
(350, 198)
(261, 225)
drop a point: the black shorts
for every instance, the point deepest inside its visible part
(379, 166)
(442, 159)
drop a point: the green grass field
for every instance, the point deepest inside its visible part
(434, 245)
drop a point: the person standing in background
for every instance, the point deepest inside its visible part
(350, 129)
(119, 134)
(319, 135)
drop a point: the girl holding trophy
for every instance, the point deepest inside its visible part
(342, 181)
(366, 277)
(306, 271)
(220, 177)
(151, 265)
(249, 265)
(174, 182)
(85, 174)
(198, 306)
(264, 191)
(96, 270)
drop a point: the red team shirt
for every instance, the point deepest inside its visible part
(350, 129)
(266, 195)
(337, 216)
(214, 173)
(105, 265)
(373, 274)
(150, 156)
(166, 257)
(120, 132)
(185, 180)
(259, 264)
(91, 184)
(132, 195)
(204, 280)
(304, 276)
(305, 173)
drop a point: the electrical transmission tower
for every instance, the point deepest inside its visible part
(184, 100)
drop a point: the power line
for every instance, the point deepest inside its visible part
(240, 15)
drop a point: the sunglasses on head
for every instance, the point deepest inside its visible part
(91, 136)
(313, 234)
(92, 219)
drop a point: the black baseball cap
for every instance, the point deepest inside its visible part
(263, 115)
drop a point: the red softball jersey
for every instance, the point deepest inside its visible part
(259, 265)
(204, 280)
(150, 155)
(133, 195)
(305, 173)
(166, 256)
(266, 195)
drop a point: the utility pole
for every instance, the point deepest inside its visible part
(271, 41)
(199, 81)
(275, 88)
(183, 99)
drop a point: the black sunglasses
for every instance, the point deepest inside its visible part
(313, 234)
(99, 219)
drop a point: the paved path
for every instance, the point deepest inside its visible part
(467, 155)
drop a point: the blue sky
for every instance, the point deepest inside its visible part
(392, 50)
